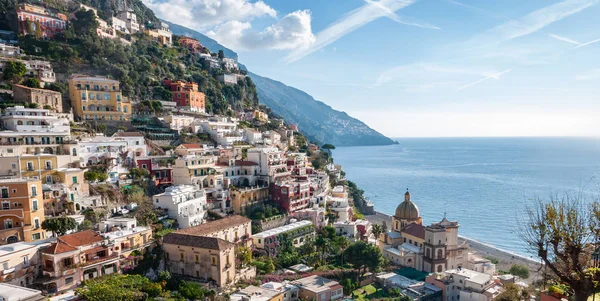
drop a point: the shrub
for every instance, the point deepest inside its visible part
(519, 270)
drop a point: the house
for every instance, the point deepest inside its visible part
(34, 127)
(242, 197)
(42, 70)
(355, 230)
(271, 137)
(192, 44)
(317, 215)
(230, 64)
(158, 167)
(208, 259)
(253, 136)
(9, 292)
(39, 21)
(415, 290)
(129, 18)
(480, 264)
(230, 78)
(98, 98)
(162, 35)
(318, 288)
(19, 262)
(22, 211)
(179, 122)
(125, 237)
(186, 95)
(46, 99)
(464, 284)
(192, 149)
(272, 162)
(297, 232)
(240, 173)
(256, 293)
(224, 131)
(77, 257)
(184, 203)
(9, 50)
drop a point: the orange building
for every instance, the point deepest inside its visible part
(186, 95)
(192, 44)
(22, 211)
(40, 21)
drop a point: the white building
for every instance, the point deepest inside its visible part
(185, 203)
(21, 119)
(271, 160)
(223, 131)
(341, 208)
(229, 64)
(268, 239)
(9, 50)
(117, 151)
(355, 230)
(480, 264)
(253, 136)
(466, 285)
(9, 292)
(271, 137)
(179, 122)
(130, 20)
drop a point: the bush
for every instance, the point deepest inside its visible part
(519, 270)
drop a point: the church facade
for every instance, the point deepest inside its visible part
(432, 248)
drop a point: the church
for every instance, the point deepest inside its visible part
(432, 248)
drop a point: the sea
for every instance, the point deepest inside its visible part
(486, 184)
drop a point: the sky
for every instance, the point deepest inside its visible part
(422, 68)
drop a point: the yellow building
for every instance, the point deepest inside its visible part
(22, 211)
(98, 98)
(38, 166)
(248, 196)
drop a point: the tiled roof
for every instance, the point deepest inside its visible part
(244, 163)
(416, 230)
(203, 242)
(82, 238)
(128, 134)
(214, 226)
(58, 247)
(191, 145)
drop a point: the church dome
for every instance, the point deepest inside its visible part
(407, 210)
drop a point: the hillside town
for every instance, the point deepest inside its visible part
(110, 196)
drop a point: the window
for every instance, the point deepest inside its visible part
(181, 257)
(33, 191)
(5, 205)
(8, 224)
(197, 258)
(83, 107)
(197, 274)
(25, 261)
(34, 205)
(106, 96)
(36, 236)
(214, 260)
(4, 193)
(36, 223)
(68, 280)
(30, 166)
(10, 151)
(125, 109)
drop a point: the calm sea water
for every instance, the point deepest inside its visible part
(484, 183)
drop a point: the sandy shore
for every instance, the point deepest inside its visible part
(505, 259)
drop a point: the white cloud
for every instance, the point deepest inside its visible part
(348, 23)
(204, 14)
(292, 31)
(488, 76)
(564, 39)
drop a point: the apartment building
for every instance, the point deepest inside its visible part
(192, 44)
(464, 284)
(184, 203)
(40, 21)
(240, 173)
(77, 257)
(272, 162)
(162, 35)
(130, 20)
(98, 98)
(209, 259)
(22, 211)
(297, 232)
(47, 99)
(242, 197)
(42, 70)
(19, 262)
(291, 195)
(235, 229)
(179, 122)
(125, 237)
(256, 293)
(186, 95)
(318, 288)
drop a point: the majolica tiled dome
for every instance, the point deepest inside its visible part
(407, 210)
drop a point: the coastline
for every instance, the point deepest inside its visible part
(505, 258)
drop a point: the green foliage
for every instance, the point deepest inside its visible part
(139, 173)
(86, 225)
(213, 215)
(14, 70)
(511, 293)
(262, 211)
(328, 146)
(119, 287)
(84, 23)
(191, 290)
(162, 93)
(59, 225)
(363, 256)
(494, 260)
(94, 176)
(58, 87)
(243, 255)
(519, 270)
(32, 82)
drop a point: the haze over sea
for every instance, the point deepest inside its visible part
(484, 183)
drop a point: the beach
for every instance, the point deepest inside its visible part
(505, 259)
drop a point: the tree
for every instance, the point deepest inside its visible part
(563, 233)
(59, 225)
(101, 128)
(221, 54)
(363, 256)
(32, 83)
(511, 292)
(85, 22)
(328, 146)
(86, 225)
(160, 92)
(191, 290)
(377, 230)
(13, 70)
(119, 287)
(243, 255)
(138, 173)
(519, 270)
(269, 266)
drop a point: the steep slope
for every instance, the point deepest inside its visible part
(315, 119)
(318, 121)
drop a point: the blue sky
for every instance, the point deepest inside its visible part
(422, 67)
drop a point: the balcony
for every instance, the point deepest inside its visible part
(7, 271)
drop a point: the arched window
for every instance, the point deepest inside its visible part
(428, 253)
(19, 122)
(439, 254)
(440, 269)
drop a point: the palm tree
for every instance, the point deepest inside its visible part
(323, 244)
(377, 230)
(342, 243)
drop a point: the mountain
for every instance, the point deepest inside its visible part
(318, 121)
(207, 42)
